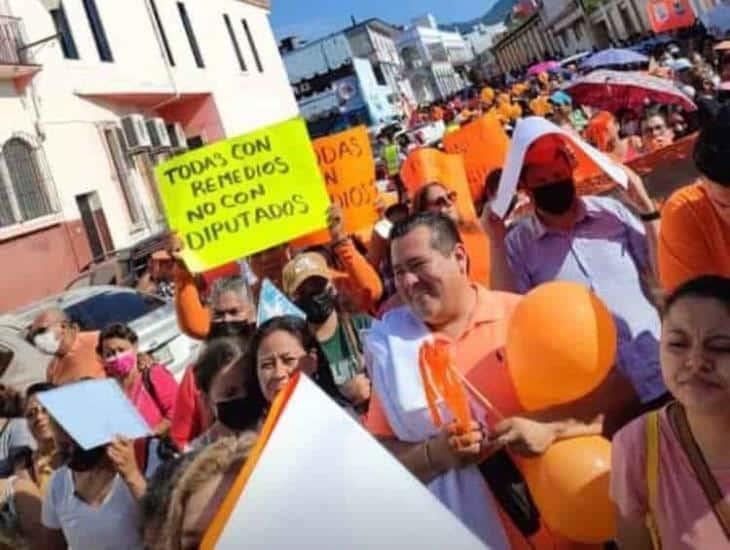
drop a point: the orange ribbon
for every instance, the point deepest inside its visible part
(439, 381)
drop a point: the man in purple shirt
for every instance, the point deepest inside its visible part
(598, 242)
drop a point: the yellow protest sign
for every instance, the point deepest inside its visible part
(243, 195)
(347, 165)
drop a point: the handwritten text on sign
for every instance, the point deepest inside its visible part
(347, 165)
(243, 195)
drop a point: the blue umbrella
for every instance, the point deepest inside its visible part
(613, 58)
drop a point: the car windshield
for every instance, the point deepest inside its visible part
(106, 308)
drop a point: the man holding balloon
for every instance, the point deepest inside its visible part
(468, 398)
(599, 243)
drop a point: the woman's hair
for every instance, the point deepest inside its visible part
(116, 330)
(420, 202)
(219, 458)
(713, 287)
(299, 329)
(38, 387)
(156, 499)
(216, 355)
(11, 402)
(236, 285)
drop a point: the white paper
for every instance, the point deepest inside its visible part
(324, 482)
(529, 130)
(93, 412)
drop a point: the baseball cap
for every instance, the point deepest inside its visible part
(561, 98)
(301, 268)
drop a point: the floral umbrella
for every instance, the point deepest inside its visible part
(616, 90)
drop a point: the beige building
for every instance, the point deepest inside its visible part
(523, 45)
(567, 27)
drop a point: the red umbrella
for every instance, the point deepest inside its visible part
(616, 90)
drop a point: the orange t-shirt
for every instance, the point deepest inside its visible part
(81, 362)
(693, 240)
(476, 243)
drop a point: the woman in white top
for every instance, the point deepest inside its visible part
(92, 501)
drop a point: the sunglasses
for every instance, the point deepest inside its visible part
(444, 201)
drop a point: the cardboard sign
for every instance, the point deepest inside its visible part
(243, 195)
(528, 131)
(94, 412)
(425, 166)
(484, 144)
(348, 168)
(668, 15)
(289, 494)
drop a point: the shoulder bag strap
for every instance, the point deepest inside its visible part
(652, 476)
(149, 385)
(712, 490)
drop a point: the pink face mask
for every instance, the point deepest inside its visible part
(121, 365)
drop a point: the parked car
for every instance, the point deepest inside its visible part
(21, 364)
(95, 307)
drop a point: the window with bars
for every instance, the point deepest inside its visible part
(25, 196)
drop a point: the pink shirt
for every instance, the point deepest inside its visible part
(166, 390)
(684, 517)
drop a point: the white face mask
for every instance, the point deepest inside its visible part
(47, 342)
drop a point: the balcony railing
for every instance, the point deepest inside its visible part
(12, 40)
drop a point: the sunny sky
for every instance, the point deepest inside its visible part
(314, 18)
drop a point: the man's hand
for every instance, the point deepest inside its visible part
(336, 223)
(636, 194)
(121, 453)
(457, 446)
(175, 247)
(523, 436)
(493, 225)
(357, 390)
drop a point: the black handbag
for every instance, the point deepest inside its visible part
(510, 490)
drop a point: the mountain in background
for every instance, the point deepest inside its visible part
(497, 13)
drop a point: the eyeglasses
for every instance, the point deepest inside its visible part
(444, 201)
(655, 129)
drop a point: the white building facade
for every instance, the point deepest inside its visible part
(76, 171)
(435, 60)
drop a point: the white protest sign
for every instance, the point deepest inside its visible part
(527, 132)
(93, 412)
(323, 482)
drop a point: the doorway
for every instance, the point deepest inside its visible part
(97, 229)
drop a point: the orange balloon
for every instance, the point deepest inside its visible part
(561, 344)
(570, 486)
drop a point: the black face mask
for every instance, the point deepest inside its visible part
(318, 307)
(240, 413)
(556, 198)
(231, 329)
(80, 460)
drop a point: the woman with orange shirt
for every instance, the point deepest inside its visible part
(436, 198)
(694, 238)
